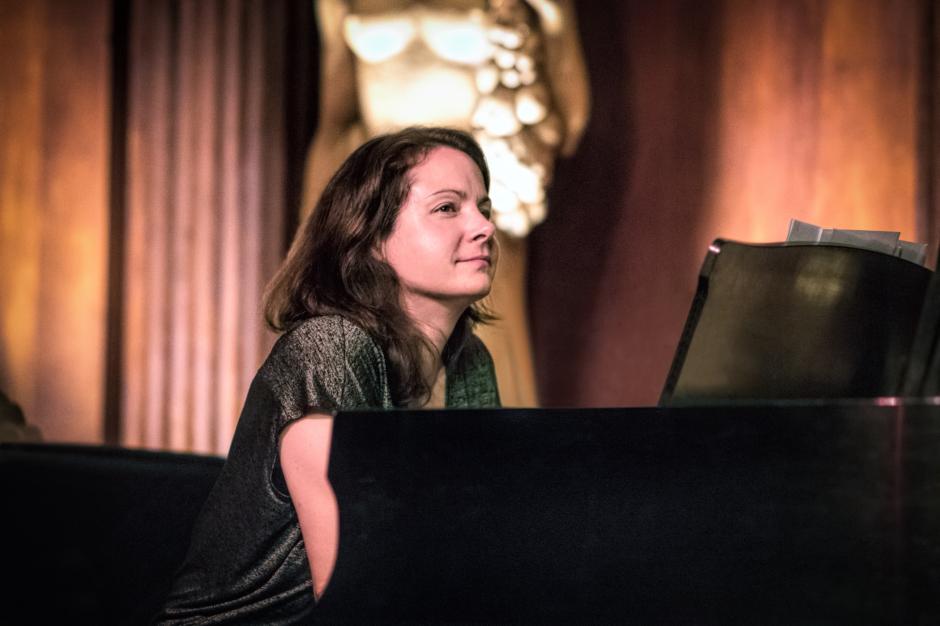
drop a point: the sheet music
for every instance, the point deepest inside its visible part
(887, 242)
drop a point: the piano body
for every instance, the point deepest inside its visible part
(775, 513)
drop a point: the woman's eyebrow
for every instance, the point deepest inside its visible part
(460, 194)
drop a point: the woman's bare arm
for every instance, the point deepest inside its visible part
(305, 455)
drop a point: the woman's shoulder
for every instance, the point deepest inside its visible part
(327, 336)
(323, 346)
(326, 361)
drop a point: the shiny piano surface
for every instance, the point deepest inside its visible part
(783, 512)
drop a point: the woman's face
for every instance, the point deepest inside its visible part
(442, 244)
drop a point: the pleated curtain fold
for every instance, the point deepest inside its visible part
(205, 215)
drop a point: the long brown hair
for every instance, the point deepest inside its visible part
(332, 268)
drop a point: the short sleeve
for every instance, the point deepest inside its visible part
(324, 364)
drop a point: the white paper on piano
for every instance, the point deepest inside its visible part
(877, 240)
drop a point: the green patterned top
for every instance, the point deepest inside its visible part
(246, 562)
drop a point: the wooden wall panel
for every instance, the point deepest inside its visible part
(21, 42)
(54, 151)
(818, 118)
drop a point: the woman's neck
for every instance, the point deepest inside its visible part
(436, 321)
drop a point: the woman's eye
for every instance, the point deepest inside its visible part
(447, 208)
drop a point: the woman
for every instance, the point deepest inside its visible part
(376, 301)
(509, 71)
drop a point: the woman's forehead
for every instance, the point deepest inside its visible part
(444, 167)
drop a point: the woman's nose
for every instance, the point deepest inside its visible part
(482, 227)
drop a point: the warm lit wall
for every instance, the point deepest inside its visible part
(722, 118)
(818, 114)
(54, 145)
(143, 212)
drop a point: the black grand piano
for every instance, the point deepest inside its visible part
(774, 513)
(789, 475)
